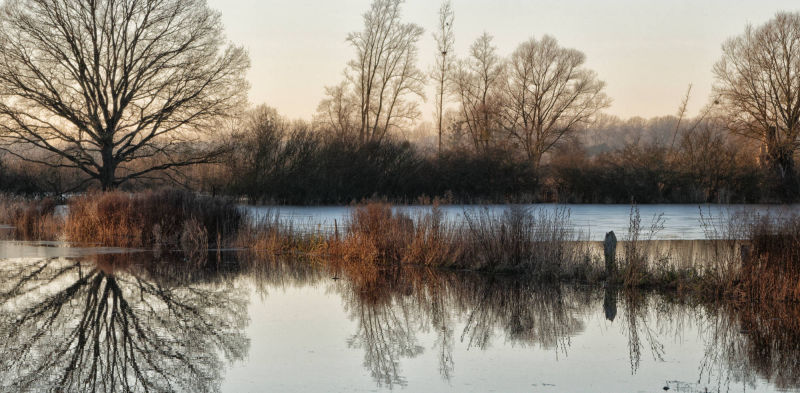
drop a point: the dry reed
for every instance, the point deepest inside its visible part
(32, 219)
(151, 219)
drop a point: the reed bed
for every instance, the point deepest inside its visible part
(267, 235)
(520, 240)
(162, 218)
(771, 260)
(32, 219)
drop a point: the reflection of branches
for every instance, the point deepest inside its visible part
(391, 304)
(386, 328)
(636, 322)
(526, 312)
(746, 342)
(85, 327)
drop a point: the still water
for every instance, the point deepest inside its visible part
(135, 322)
(681, 222)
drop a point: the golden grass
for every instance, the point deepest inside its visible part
(31, 219)
(151, 219)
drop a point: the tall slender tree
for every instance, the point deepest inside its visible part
(476, 83)
(445, 40)
(384, 72)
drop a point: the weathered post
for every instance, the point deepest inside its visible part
(610, 251)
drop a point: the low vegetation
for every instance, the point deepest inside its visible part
(152, 219)
(750, 257)
(31, 219)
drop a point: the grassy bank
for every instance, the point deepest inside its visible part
(749, 257)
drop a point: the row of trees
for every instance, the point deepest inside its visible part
(122, 91)
(530, 100)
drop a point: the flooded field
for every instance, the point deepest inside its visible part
(115, 321)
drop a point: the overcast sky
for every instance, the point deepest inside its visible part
(647, 52)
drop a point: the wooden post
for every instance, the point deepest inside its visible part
(610, 252)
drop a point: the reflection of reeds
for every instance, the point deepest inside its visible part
(748, 341)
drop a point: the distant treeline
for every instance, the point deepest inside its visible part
(273, 160)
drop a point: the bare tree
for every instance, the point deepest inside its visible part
(758, 87)
(548, 95)
(118, 89)
(384, 72)
(445, 40)
(336, 113)
(476, 83)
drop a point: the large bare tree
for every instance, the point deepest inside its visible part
(384, 72)
(476, 83)
(758, 87)
(548, 95)
(118, 89)
(445, 40)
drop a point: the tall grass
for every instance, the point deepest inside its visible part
(756, 256)
(163, 218)
(536, 241)
(771, 265)
(539, 242)
(32, 219)
(377, 234)
(639, 258)
(268, 235)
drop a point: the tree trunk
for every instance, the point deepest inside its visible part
(107, 172)
(781, 164)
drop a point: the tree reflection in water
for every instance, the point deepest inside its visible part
(391, 305)
(111, 326)
(116, 324)
(747, 342)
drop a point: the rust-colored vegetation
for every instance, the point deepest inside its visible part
(151, 219)
(31, 219)
(751, 257)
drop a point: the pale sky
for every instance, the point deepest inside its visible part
(646, 51)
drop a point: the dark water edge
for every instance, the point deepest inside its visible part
(145, 322)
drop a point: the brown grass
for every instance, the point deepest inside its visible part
(771, 265)
(535, 241)
(757, 257)
(32, 219)
(539, 243)
(375, 234)
(267, 235)
(151, 219)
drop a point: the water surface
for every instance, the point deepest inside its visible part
(138, 322)
(681, 222)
